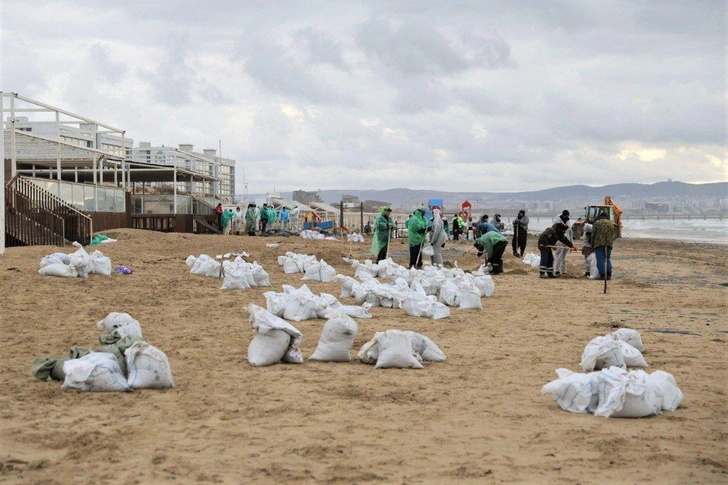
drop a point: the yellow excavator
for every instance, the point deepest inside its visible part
(592, 212)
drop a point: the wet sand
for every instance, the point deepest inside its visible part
(479, 417)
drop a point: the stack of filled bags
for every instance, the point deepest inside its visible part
(124, 362)
(77, 264)
(613, 390)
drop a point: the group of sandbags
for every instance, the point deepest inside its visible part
(298, 304)
(613, 390)
(398, 349)
(76, 264)
(355, 237)
(421, 293)
(533, 260)
(621, 348)
(125, 361)
(307, 234)
(304, 263)
(276, 340)
(237, 274)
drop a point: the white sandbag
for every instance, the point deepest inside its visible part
(395, 351)
(290, 266)
(272, 245)
(271, 333)
(630, 336)
(101, 264)
(485, 284)
(593, 268)
(370, 351)
(439, 311)
(665, 383)
(577, 393)
(625, 394)
(354, 311)
(336, 339)
(260, 276)
(276, 302)
(234, 279)
(59, 269)
(632, 356)
(190, 260)
(123, 323)
(347, 285)
(299, 308)
(148, 367)
(55, 258)
(427, 250)
(425, 348)
(602, 353)
(95, 372)
(469, 295)
(320, 272)
(450, 293)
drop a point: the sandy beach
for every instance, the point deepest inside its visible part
(479, 417)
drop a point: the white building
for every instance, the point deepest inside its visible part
(206, 163)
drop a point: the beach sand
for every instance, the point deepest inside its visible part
(479, 417)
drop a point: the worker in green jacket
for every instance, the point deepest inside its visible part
(416, 229)
(250, 218)
(493, 244)
(602, 240)
(383, 227)
(225, 219)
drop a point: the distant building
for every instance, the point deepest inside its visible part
(350, 201)
(207, 163)
(305, 197)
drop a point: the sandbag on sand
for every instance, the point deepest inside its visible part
(600, 353)
(395, 351)
(425, 348)
(148, 367)
(81, 261)
(319, 271)
(672, 396)
(336, 339)
(101, 264)
(630, 336)
(624, 394)
(95, 372)
(275, 339)
(577, 393)
(59, 269)
(120, 325)
(355, 311)
(55, 258)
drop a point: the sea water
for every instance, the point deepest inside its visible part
(713, 231)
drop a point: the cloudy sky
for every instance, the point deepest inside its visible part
(450, 95)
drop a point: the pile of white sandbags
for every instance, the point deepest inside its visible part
(622, 348)
(125, 363)
(204, 265)
(240, 274)
(275, 339)
(355, 237)
(76, 264)
(398, 349)
(298, 304)
(614, 390)
(307, 234)
(319, 271)
(296, 263)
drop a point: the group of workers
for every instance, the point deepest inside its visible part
(254, 218)
(490, 241)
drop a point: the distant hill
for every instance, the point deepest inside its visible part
(581, 193)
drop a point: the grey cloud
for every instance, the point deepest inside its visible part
(322, 49)
(171, 81)
(102, 63)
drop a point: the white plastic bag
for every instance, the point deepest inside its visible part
(336, 339)
(95, 372)
(148, 367)
(271, 333)
(577, 393)
(602, 353)
(59, 269)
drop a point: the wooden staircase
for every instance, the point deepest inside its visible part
(34, 216)
(205, 217)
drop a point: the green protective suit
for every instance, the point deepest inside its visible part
(272, 216)
(225, 218)
(416, 228)
(381, 232)
(488, 240)
(250, 220)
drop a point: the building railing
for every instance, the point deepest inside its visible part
(38, 217)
